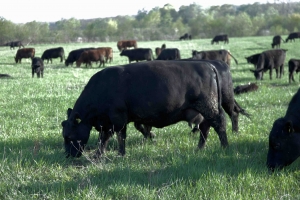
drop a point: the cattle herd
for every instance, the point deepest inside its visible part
(147, 94)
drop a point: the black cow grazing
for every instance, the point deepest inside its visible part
(245, 88)
(185, 37)
(293, 36)
(75, 54)
(54, 53)
(284, 138)
(169, 54)
(269, 60)
(220, 38)
(223, 55)
(37, 66)
(138, 54)
(276, 41)
(159, 49)
(171, 89)
(253, 59)
(14, 44)
(294, 66)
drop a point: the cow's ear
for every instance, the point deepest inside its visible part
(289, 127)
(69, 112)
(63, 123)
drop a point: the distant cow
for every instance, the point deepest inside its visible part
(284, 138)
(37, 66)
(293, 36)
(138, 54)
(245, 88)
(24, 53)
(159, 49)
(276, 41)
(253, 59)
(75, 54)
(124, 44)
(269, 60)
(53, 53)
(14, 44)
(222, 54)
(90, 56)
(294, 66)
(220, 38)
(185, 37)
(169, 54)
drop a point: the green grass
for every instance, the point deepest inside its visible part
(33, 164)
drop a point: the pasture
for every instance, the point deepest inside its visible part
(33, 164)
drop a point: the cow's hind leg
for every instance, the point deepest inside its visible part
(204, 131)
(104, 136)
(145, 130)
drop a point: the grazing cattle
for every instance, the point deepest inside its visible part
(185, 37)
(169, 54)
(229, 104)
(294, 66)
(90, 56)
(293, 36)
(37, 66)
(245, 88)
(284, 138)
(220, 38)
(53, 53)
(155, 93)
(223, 55)
(253, 59)
(24, 53)
(138, 54)
(108, 53)
(269, 60)
(276, 41)
(14, 44)
(74, 55)
(124, 44)
(158, 49)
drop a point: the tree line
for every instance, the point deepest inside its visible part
(164, 23)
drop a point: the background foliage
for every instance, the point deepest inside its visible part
(164, 23)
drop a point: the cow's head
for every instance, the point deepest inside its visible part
(273, 45)
(284, 145)
(258, 73)
(76, 134)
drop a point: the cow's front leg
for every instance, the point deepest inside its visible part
(271, 73)
(121, 135)
(103, 141)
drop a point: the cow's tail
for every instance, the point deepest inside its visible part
(239, 109)
(236, 62)
(218, 85)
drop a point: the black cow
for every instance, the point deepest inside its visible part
(138, 54)
(269, 60)
(220, 38)
(185, 37)
(14, 44)
(74, 55)
(169, 54)
(276, 41)
(159, 49)
(53, 53)
(284, 138)
(223, 55)
(253, 59)
(245, 88)
(37, 66)
(293, 36)
(294, 66)
(156, 93)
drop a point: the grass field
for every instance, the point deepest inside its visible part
(33, 164)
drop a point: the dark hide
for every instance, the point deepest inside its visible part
(220, 38)
(94, 55)
(269, 60)
(169, 54)
(253, 59)
(293, 36)
(124, 44)
(53, 53)
(294, 66)
(245, 88)
(159, 49)
(138, 54)
(186, 36)
(24, 53)
(284, 138)
(74, 55)
(222, 55)
(145, 93)
(276, 41)
(14, 44)
(37, 66)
